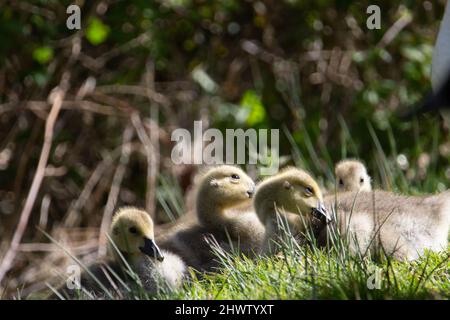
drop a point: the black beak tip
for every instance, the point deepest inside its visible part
(152, 250)
(321, 214)
(316, 214)
(251, 191)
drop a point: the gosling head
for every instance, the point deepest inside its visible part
(351, 175)
(292, 190)
(225, 186)
(132, 233)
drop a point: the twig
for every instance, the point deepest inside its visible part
(87, 190)
(58, 95)
(42, 106)
(24, 159)
(394, 30)
(150, 93)
(35, 10)
(150, 143)
(45, 205)
(135, 90)
(82, 105)
(154, 168)
(98, 63)
(115, 188)
(150, 153)
(126, 47)
(50, 247)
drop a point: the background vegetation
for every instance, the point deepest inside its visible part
(138, 67)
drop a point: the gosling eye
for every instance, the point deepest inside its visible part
(133, 230)
(309, 191)
(361, 181)
(235, 176)
(341, 182)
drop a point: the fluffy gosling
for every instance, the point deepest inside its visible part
(351, 175)
(132, 233)
(224, 211)
(224, 203)
(295, 197)
(400, 226)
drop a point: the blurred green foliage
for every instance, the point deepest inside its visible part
(43, 54)
(310, 68)
(255, 112)
(97, 31)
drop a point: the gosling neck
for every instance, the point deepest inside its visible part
(271, 213)
(210, 213)
(131, 258)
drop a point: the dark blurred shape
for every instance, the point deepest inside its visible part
(433, 102)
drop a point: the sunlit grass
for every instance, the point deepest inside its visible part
(314, 274)
(307, 272)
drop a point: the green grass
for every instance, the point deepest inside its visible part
(312, 273)
(307, 272)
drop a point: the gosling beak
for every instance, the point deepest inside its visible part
(321, 213)
(251, 191)
(151, 249)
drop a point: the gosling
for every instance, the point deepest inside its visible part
(224, 211)
(133, 237)
(402, 226)
(399, 226)
(351, 175)
(291, 199)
